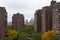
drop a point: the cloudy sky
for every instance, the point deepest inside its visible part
(26, 7)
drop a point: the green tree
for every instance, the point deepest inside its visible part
(36, 36)
(9, 27)
(23, 36)
(29, 29)
(26, 32)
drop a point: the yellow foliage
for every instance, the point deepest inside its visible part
(12, 34)
(48, 35)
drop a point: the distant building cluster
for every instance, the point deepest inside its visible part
(31, 22)
(48, 18)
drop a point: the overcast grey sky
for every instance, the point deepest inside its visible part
(26, 7)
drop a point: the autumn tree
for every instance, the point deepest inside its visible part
(49, 35)
(12, 35)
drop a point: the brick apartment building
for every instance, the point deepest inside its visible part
(43, 19)
(48, 18)
(3, 22)
(18, 21)
(38, 21)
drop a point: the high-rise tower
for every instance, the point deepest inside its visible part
(3, 22)
(18, 21)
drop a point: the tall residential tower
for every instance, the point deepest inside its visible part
(3, 22)
(18, 21)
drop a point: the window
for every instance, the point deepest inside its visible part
(59, 19)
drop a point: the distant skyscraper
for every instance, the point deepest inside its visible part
(3, 22)
(31, 21)
(26, 22)
(18, 21)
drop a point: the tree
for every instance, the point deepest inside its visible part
(9, 27)
(12, 35)
(36, 36)
(49, 35)
(28, 29)
(23, 36)
(26, 32)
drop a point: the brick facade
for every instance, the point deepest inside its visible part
(38, 21)
(3, 22)
(18, 21)
(43, 19)
(50, 17)
(46, 17)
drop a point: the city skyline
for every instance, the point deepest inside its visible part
(26, 7)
